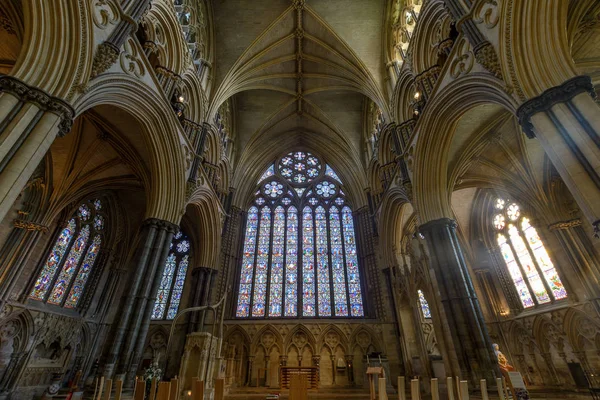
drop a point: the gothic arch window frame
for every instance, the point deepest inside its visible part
(173, 280)
(534, 276)
(288, 200)
(424, 309)
(64, 283)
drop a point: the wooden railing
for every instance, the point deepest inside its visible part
(311, 374)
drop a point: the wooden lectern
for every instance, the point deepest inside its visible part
(371, 373)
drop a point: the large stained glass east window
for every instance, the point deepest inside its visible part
(299, 255)
(534, 276)
(69, 265)
(171, 284)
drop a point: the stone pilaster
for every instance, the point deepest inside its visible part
(460, 307)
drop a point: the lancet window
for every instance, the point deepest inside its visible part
(299, 255)
(425, 311)
(69, 264)
(534, 275)
(170, 290)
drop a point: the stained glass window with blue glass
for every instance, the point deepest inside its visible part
(299, 257)
(69, 265)
(170, 289)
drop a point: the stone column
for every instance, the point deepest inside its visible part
(333, 369)
(30, 119)
(350, 368)
(316, 362)
(140, 293)
(250, 366)
(566, 121)
(460, 307)
(198, 286)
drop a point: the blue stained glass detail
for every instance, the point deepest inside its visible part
(308, 264)
(178, 288)
(340, 294)
(268, 173)
(160, 304)
(355, 293)
(84, 273)
(247, 275)
(276, 284)
(259, 292)
(323, 288)
(424, 304)
(331, 173)
(291, 264)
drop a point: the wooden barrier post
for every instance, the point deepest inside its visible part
(118, 389)
(484, 392)
(140, 390)
(95, 388)
(107, 389)
(505, 386)
(219, 389)
(164, 391)
(153, 386)
(435, 389)
(415, 391)
(198, 390)
(464, 390)
(382, 390)
(401, 388)
(100, 388)
(457, 387)
(450, 388)
(174, 389)
(499, 384)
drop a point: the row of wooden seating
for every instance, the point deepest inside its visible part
(311, 375)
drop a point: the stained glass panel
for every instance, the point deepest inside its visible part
(268, 173)
(70, 266)
(354, 290)
(84, 212)
(178, 288)
(291, 264)
(326, 189)
(515, 272)
(323, 288)
(97, 204)
(276, 284)
(247, 274)
(340, 297)
(160, 304)
(259, 293)
(84, 273)
(299, 167)
(299, 191)
(44, 280)
(543, 260)
(528, 266)
(308, 264)
(424, 304)
(331, 173)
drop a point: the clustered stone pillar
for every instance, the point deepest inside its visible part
(130, 336)
(203, 279)
(566, 121)
(467, 329)
(30, 120)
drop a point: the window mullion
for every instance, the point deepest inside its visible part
(523, 272)
(269, 262)
(257, 237)
(62, 262)
(346, 278)
(300, 263)
(331, 292)
(284, 265)
(535, 263)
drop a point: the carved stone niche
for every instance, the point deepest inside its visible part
(199, 361)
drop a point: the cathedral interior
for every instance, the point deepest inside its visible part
(243, 190)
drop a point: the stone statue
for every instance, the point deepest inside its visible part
(502, 360)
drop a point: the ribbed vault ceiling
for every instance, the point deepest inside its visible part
(303, 70)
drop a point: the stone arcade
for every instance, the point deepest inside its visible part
(405, 184)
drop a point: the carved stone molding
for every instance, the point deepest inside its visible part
(550, 97)
(565, 224)
(29, 226)
(42, 99)
(162, 224)
(486, 56)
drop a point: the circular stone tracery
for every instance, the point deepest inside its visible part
(299, 167)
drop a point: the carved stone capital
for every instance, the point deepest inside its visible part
(106, 55)
(550, 97)
(42, 99)
(486, 56)
(161, 224)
